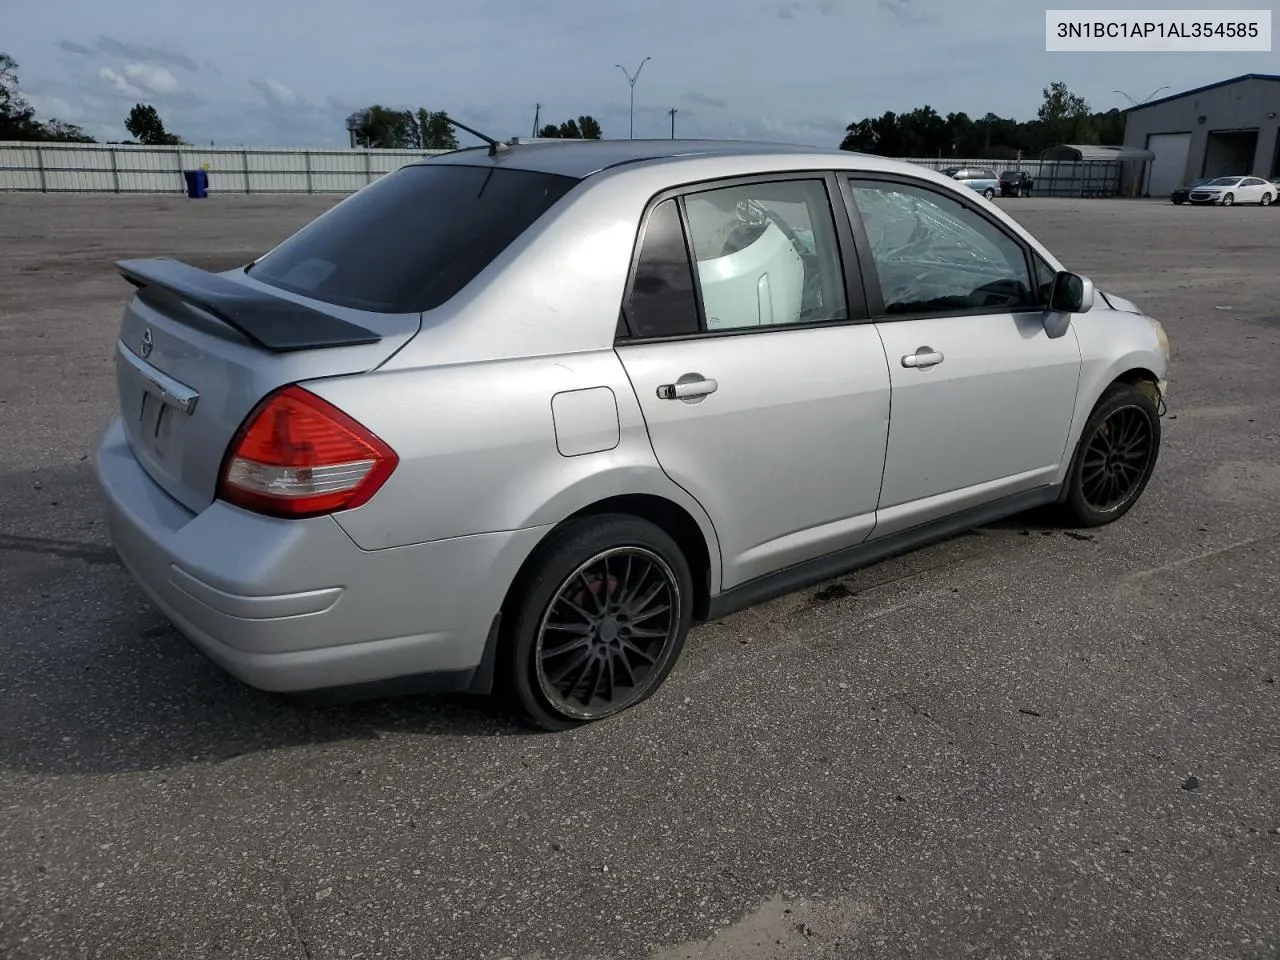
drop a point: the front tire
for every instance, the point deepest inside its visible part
(1265, 201)
(601, 621)
(989, 193)
(1229, 199)
(1115, 457)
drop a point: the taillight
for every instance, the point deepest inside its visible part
(299, 456)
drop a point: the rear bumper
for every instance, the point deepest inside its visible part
(295, 605)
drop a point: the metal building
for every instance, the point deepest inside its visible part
(1224, 129)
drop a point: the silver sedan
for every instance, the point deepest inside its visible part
(514, 418)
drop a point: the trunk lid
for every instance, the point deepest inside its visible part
(198, 350)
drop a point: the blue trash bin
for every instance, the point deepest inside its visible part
(197, 183)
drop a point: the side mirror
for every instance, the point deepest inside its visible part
(1071, 293)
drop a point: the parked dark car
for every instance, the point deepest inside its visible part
(1182, 194)
(1016, 183)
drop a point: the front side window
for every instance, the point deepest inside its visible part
(766, 254)
(933, 254)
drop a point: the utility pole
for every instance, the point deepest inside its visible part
(537, 112)
(673, 111)
(631, 81)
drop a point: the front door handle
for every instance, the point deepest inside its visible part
(923, 357)
(688, 388)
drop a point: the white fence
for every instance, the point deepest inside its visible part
(117, 168)
(1053, 178)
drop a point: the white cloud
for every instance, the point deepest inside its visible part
(119, 83)
(150, 77)
(52, 108)
(275, 92)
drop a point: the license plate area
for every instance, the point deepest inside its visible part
(155, 427)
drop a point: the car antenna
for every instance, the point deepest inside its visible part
(495, 146)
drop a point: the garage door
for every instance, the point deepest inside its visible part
(1170, 164)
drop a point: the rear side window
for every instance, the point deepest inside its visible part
(662, 302)
(411, 240)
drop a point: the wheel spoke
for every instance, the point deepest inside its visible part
(632, 648)
(650, 596)
(647, 634)
(583, 657)
(575, 608)
(637, 584)
(596, 676)
(587, 661)
(591, 593)
(560, 651)
(583, 629)
(651, 613)
(621, 657)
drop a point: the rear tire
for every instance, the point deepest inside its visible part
(989, 193)
(599, 622)
(1115, 457)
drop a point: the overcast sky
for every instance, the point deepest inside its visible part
(286, 73)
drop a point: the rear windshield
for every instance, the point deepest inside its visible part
(411, 240)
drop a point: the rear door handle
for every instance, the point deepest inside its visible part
(923, 357)
(684, 389)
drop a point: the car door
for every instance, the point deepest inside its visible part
(1256, 187)
(982, 396)
(764, 388)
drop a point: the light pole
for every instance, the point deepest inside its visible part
(673, 111)
(1138, 103)
(631, 81)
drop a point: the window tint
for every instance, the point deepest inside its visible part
(933, 254)
(662, 301)
(766, 254)
(412, 239)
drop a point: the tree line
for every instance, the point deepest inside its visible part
(1063, 117)
(18, 118)
(390, 129)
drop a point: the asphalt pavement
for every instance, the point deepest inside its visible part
(1027, 741)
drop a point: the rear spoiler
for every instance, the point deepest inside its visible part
(273, 322)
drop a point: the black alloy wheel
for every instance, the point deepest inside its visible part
(602, 622)
(1115, 457)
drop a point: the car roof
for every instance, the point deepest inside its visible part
(582, 158)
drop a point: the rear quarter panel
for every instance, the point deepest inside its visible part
(479, 451)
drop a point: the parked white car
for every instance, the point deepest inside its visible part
(1229, 190)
